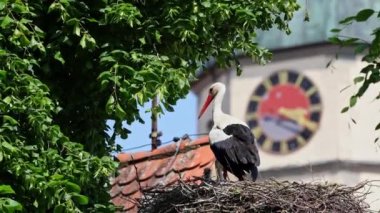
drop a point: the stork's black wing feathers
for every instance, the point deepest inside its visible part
(241, 132)
(236, 157)
(244, 148)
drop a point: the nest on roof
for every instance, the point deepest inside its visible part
(267, 196)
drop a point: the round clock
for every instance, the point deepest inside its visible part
(284, 112)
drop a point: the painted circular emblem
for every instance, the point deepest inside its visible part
(284, 112)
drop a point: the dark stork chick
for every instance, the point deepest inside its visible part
(232, 142)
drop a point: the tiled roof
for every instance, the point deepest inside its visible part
(185, 160)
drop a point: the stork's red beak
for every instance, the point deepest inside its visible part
(205, 105)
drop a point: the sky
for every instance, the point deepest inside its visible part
(172, 124)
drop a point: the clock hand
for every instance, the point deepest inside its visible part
(280, 122)
(299, 116)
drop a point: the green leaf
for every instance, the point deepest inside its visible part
(377, 126)
(59, 209)
(73, 187)
(110, 105)
(335, 40)
(82, 42)
(104, 75)
(120, 113)
(335, 30)
(7, 100)
(353, 100)
(360, 48)
(3, 4)
(347, 20)
(206, 4)
(142, 40)
(366, 69)
(111, 100)
(12, 121)
(18, 7)
(35, 203)
(58, 57)
(349, 41)
(363, 15)
(358, 79)
(8, 146)
(6, 22)
(345, 109)
(57, 177)
(11, 205)
(76, 29)
(81, 199)
(3, 74)
(140, 98)
(6, 189)
(157, 35)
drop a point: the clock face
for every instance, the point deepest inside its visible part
(284, 112)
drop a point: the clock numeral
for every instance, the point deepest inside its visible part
(283, 147)
(283, 77)
(257, 132)
(315, 108)
(299, 80)
(267, 84)
(255, 98)
(311, 91)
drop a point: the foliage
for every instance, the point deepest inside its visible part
(66, 67)
(43, 166)
(8, 204)
(370, 74)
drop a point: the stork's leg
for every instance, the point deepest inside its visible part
(225, 174)
(220, 172)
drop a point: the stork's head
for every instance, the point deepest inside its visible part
(213, 91)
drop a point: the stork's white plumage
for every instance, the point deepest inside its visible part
(232, 142)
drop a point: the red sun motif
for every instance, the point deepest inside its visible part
(283, 96)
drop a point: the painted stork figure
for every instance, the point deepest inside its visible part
(232, 142)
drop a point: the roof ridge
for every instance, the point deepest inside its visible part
(164, 151)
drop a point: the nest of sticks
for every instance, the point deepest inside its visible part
(267, 196)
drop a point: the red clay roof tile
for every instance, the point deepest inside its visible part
(152, 166)
(201, 141)
(119, 200)
(164, 150)
(130, 204)
(131, 188)
(205, 155)
(165, 167)
(115, 190)
(125, 157)
(185, 160)
(170, 179)
(127, 174)
(190, 175)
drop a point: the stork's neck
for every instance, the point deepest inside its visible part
(217, 109)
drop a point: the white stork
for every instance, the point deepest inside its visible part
(232, 142)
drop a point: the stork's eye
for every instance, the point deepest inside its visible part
(210, 91)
